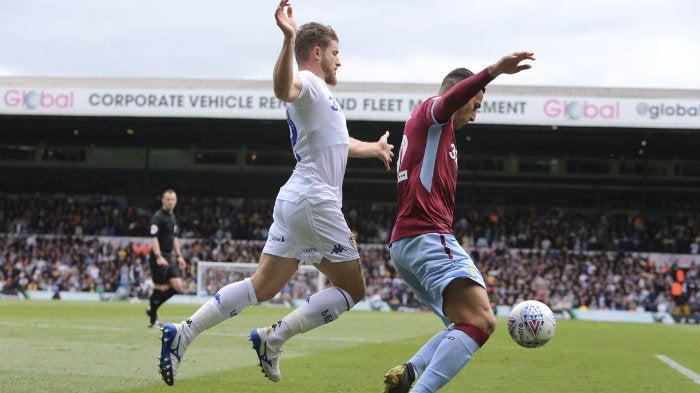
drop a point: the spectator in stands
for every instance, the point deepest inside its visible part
(221, 219)
(135, 273)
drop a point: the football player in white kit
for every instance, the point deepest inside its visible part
(309, 226)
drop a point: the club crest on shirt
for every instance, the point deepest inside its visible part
(334, 104)
(352, 242)
(453, 152)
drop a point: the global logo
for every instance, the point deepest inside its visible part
(32, 99)
(576, 110)
(668, 110)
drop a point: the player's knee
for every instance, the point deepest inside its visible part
(490, 323)
(475, 332)
(487, 320)
(356, 292)
(481, 319)
(263, 293)
(354, 287)
(361, 292)
(266, 287)
(357, 296)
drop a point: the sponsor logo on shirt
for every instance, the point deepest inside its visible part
(276, 238)
(335, 107)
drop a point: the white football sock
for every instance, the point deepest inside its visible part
(227, 303)
(320, 308)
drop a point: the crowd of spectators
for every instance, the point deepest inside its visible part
(565, 258)
(219, 219)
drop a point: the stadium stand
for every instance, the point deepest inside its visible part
(567, 259)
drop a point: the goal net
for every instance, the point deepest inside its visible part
(211, 276)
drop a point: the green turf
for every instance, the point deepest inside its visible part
(106, 347)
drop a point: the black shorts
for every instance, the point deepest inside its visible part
(162, 274)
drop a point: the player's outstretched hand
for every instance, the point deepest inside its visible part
(510, 64)
(285, 19)
(385, 150)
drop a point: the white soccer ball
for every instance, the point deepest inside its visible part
(531, 324)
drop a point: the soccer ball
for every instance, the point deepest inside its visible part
(531, 324)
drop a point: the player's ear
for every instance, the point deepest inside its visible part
(317, 52)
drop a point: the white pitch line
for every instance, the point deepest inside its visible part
(685, 371)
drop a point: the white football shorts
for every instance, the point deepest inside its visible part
(309, 232)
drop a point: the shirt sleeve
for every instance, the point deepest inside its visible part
(154, 228)
(310, 90)
(459, 95)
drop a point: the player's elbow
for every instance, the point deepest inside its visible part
(281, 94)
(286, 92)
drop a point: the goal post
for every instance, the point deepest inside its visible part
(211, 276)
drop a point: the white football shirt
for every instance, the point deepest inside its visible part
(319, 135)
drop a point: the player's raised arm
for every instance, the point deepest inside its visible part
(286, 86)
(459, 94)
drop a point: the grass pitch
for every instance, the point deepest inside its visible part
(106, 347)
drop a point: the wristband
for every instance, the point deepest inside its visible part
(157, 255)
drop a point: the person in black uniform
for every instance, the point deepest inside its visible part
(164, 270)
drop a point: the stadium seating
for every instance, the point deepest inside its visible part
(565, 258)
